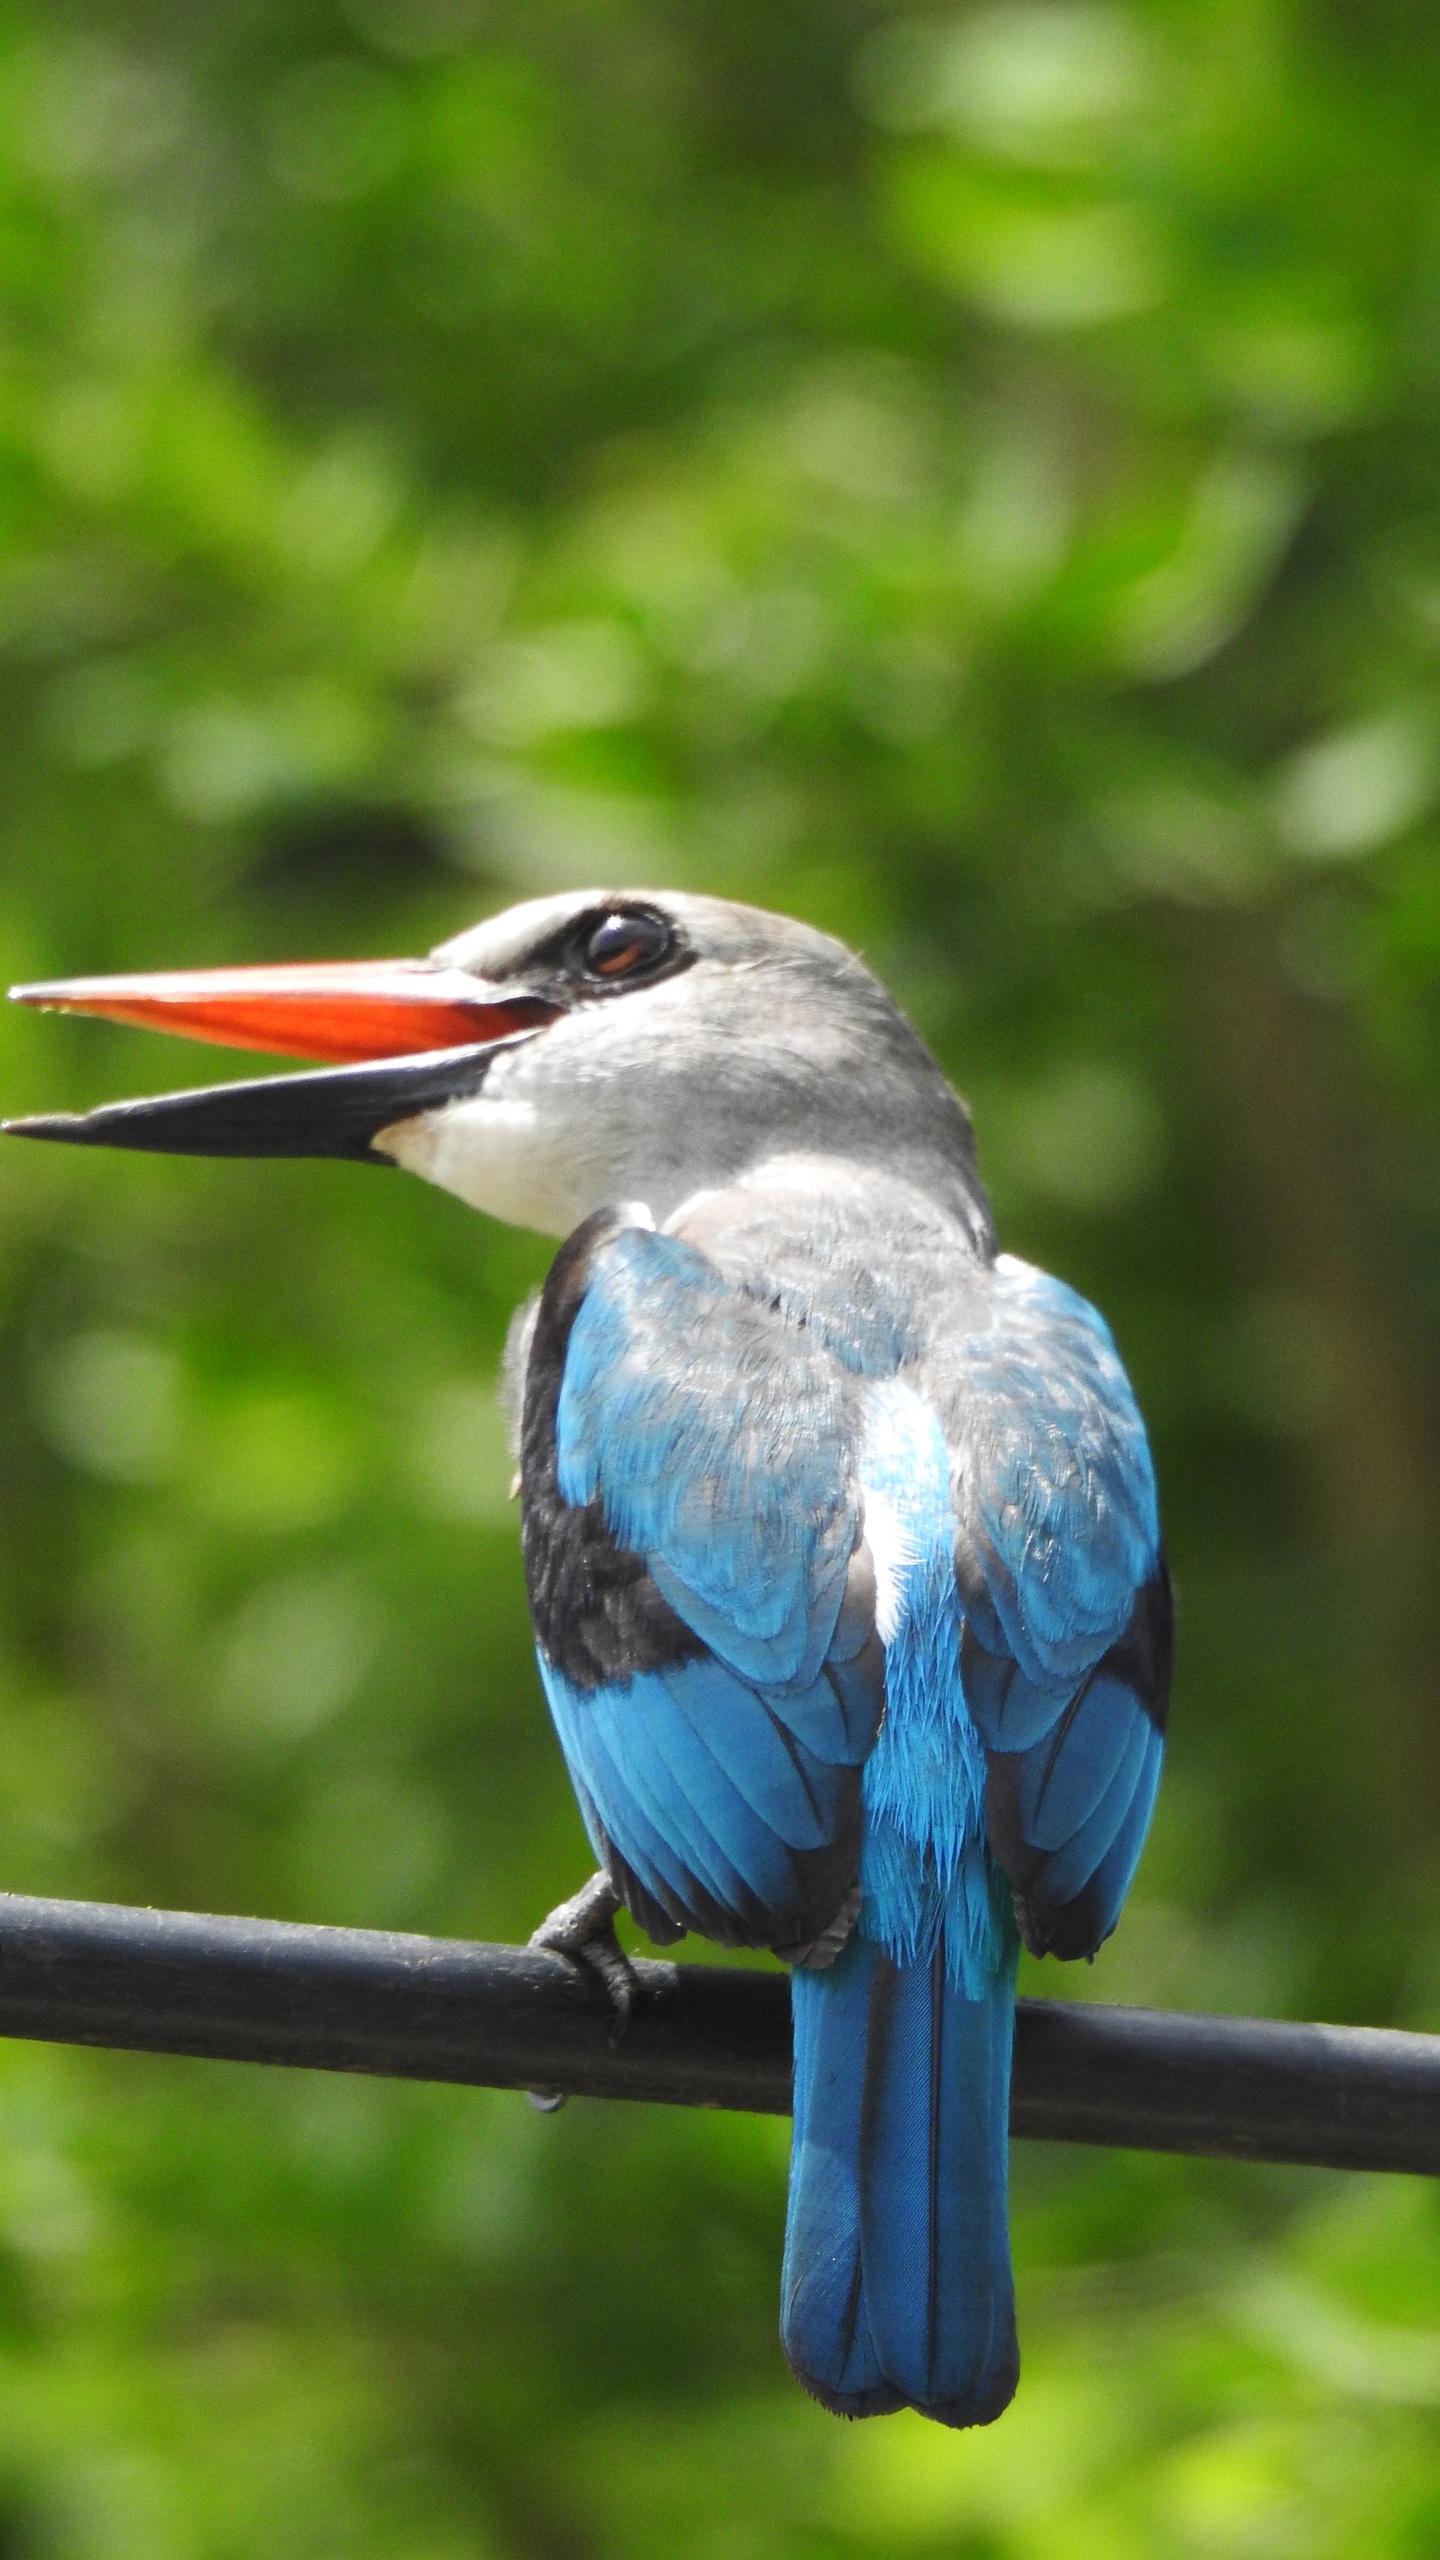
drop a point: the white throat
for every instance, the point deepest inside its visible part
(498, 1154)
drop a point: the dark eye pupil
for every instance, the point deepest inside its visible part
(623, 943)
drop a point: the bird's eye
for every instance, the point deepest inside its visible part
(621, 944)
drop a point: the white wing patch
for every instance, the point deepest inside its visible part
(895, 1557)
(904, 1475)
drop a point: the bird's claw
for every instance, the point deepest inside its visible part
(584, 1930)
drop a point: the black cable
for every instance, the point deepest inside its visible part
(699, 2035)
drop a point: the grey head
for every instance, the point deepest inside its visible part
(573, 1051)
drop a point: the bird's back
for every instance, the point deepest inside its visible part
(843, 1556)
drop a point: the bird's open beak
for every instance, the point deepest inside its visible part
(403, 1036)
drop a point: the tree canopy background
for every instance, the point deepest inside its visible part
(972, 481)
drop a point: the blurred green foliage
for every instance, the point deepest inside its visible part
(972, 481)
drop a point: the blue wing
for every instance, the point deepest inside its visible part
(1067, 1647)
(702, 1598)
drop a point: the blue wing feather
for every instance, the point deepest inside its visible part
(717, 1445)
(733, 1852)
(1009, 1711)
(835, 1718)
(1071, 1853)
(744, 1850)
(1098, 1741)
(1056, 1492)
(623, 1812)
(785, 1788)
(1059, 1564)
(1114, 1874)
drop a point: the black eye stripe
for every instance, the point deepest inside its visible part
(606, 951)
(622, 943)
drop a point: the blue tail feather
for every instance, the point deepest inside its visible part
(897, 2288)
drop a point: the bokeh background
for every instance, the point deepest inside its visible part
(972, 481)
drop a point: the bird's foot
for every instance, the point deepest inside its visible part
(584, 1930)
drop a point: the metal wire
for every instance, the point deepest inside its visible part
(415, 2008)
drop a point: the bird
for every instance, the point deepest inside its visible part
(839, 1524)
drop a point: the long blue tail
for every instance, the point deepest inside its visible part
(897, 2289)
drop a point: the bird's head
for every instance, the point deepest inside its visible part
(573, 1051)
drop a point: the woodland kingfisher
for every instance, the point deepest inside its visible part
(839, 1524)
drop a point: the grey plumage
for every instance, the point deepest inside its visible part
(767, 1040)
